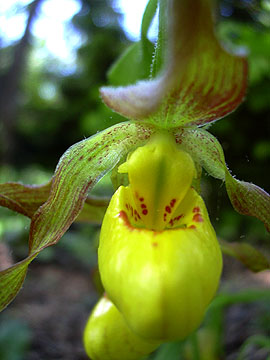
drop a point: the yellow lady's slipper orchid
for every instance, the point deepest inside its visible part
(107, 337)
(159, 258)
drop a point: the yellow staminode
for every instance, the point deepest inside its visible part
(160, 175)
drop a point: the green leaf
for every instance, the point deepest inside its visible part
(15, 338)
(200, 81)
(93, 210)
(170, 351)
(133, 65)
(245, 297)
(77, 172)
(256, 40)
(246, 198)
(259, 340)
(135, 62)
(247, 254)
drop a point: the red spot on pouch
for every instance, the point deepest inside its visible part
(172, 203)
(143, 206)
(197, 218)
(141, 199)
(155, 244)
(168, 209)
(145, 211)
(123, 215)
(192, 227)
(196, 209)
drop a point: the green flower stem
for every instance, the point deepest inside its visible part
(148, 16)
(248, 296)
(195, 346)
(158, 58)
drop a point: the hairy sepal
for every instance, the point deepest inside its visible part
(200, 82)
(204, 148)
(249, 199)
(77, 172)
(26, 199)
(23, 199)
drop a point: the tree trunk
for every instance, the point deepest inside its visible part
(10, 89)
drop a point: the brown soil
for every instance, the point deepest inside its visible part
(56, 303)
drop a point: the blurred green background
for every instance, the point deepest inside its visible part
(48, 103)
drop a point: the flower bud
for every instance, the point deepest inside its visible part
(107, 337)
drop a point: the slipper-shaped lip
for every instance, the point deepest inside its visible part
(160, 280)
